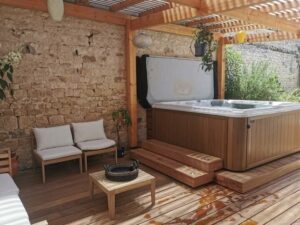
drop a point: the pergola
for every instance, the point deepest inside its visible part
(263, 20)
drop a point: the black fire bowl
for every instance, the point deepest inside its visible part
(122, 172)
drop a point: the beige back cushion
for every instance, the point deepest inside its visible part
(88, 131)
(53, 137)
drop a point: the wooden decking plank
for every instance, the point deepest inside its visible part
(170, 206)
(168, 194)
(122, 199)
(267, 214)
(235, 201)
(250, 210)
(290, 216)
(207, 202)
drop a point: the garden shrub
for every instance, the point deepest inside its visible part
(257, 81)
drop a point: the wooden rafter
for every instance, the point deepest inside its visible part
(124, 4)
(287, 14)
(227, 7)
(278, 6)
(180, 30)
(254, 16)
(228, 24)
(213, 19)
(249, 27)
(159, 9)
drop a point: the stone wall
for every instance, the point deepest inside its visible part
(71, 71)
(283, 57)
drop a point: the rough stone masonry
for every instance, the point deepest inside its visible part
(71, 71)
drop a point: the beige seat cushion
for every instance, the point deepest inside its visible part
(7, 185)
(58, 152)
(96, 144)
(12, 211)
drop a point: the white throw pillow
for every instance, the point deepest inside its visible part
(53, 137)
(88, 131)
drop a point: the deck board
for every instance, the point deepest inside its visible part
(64, 199)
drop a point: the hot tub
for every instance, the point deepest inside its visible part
(244, 134)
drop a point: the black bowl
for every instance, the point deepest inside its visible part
(122, 172)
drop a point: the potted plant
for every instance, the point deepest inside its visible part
(205, 45)
(121, 119)
(6, 78)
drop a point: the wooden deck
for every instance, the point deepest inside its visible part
(64, 199)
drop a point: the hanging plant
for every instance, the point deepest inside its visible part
(6, 72)
(205, 45)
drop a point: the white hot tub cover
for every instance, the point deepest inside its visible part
(177, 79)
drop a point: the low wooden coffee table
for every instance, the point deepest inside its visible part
(111, 188)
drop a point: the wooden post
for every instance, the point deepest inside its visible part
(130, 53)
(221, 68)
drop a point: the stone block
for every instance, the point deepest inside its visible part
(56, 120)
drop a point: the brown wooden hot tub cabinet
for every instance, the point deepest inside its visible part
(242, 143)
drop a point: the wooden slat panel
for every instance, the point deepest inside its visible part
(4, 162)
(4, 155)
(206, 134)
(4, 170)
(273, 137)
(237, 144)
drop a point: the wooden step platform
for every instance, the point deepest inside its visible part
(251, 179)
(186, 156)
(188, 175)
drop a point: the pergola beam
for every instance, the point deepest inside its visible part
(227, 7)
(213, 19)
(125, 4)
(249, 27)
(265, 37)
(278, 6)
(74, 10)
(254, 16)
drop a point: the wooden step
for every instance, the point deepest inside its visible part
(188, 175)
(253, 178)
(186, 156)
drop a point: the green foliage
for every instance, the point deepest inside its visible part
(290, 96)
(6, 78)
(203, 35)
(257, 81)
(121, 119)
(233, 72)
(6, 72)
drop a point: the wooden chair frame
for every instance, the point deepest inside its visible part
(5, 161)
(87, 153)
(58, 160)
